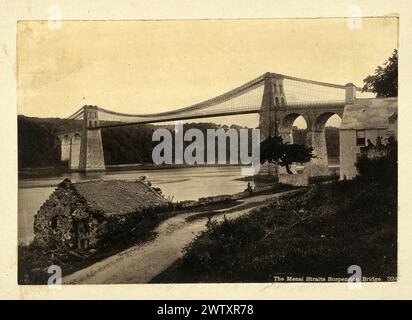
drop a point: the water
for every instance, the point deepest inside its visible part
(177, 184)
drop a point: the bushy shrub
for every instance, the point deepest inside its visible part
(382, 168)
(318, 233)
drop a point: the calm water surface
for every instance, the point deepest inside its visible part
(178, 184)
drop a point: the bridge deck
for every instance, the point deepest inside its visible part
(297, 107)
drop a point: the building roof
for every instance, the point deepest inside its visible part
(117, 196)
(371, 113)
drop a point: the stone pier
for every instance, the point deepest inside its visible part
(91, 148)
(83, 148)
(276, 117)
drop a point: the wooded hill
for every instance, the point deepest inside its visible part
(39, 147)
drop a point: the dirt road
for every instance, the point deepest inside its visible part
(139, 264)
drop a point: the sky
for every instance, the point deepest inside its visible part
(154, 66)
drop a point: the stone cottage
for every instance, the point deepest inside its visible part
(362, 123)
(87, 214)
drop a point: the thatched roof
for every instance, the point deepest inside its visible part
(369, 113)
(117, 196)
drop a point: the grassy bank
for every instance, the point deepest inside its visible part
(33, 261)
(319, 233)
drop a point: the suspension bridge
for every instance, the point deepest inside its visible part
(278, 99)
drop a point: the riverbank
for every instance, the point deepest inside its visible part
(33, 261)
(176, 184)
(141, 263)
(319, 233)
(44, 172)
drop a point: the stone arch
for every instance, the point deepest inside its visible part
(57, 141)
(332, 137)
(320, 121)
(75, 152)
(286, 132)
(317, 137)
(65, 148)
(286, 126)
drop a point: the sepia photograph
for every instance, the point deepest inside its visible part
(207, 151)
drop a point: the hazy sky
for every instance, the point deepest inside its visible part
(150, 66)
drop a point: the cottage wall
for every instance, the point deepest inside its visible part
(56, 222)
(349, 151)
(375, 116)
(73, 219)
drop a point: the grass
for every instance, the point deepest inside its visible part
(213, 206)
(33, 261)
(319, 233)
(210, 214)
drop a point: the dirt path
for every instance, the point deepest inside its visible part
(139, 264)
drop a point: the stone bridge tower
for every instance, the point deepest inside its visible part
(91, 147)
(273, 101)
(276, 117)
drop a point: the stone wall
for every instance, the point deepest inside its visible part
(54, 222)
(317, 140)
(91, 153)
(315, 169)
(66, 221)
(74, 160)
(298, 180)
(349, 151)
(65, 148)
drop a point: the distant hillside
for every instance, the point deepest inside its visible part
(133, 144)
(36, 142)
(38, 146)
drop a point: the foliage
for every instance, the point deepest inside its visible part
(274, 150)
(379, 163)
(385, 80)
(126, 145)
(38, 146)
(122, 145)
(34, 260)
(318, 233)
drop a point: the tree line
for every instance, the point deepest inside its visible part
(38, 145)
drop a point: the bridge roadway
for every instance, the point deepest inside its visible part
(291, 108)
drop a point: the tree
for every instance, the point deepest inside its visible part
(381, 166)
(385, 80)
(274, 150)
